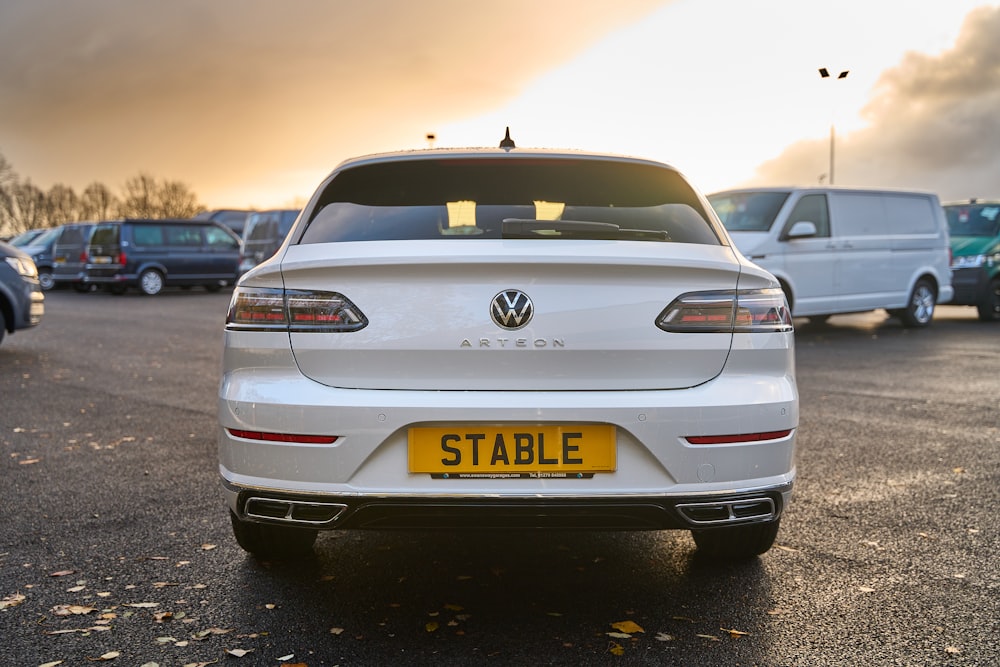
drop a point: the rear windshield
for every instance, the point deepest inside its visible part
(973, 220)
(472, 198)
(748, 211)
(105, 235)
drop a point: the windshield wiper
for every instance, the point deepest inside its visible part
(528, 228)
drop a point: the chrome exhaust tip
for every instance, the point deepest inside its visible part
(745, 510)
(296, 512)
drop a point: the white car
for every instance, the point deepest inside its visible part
(507, 338)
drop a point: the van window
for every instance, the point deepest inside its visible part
(147, 235)
(859, 214)
(748, 211)
(909, 215)
(105, 235)
(219, 238)
(811, 208)
(183, 235)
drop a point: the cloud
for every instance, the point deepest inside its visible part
(231, 94)
(933, 123)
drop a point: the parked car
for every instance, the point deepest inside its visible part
(153, 254)
(493, 338)
(24, 238)
(263, 235)
(69, 255)
(975, 248)
(22, 303)
(233, 218)
(845, 250)
(40, 251)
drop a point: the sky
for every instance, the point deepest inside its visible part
(252, 103)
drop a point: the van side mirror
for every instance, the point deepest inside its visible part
(801, 230)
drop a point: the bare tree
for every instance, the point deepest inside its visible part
(97, 202)
(61, 205)
(8, 184)
(29, 207)
(177, 200)
(139, 197)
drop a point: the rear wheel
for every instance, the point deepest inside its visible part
(734, 543)
(271, 541)
(989, 307)
(920, 310)
(151, 282)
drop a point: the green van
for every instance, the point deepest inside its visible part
(974, 227)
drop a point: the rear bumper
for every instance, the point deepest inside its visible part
(328, 512)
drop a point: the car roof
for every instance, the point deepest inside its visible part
(485, 153)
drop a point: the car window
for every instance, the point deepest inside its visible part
(811, 208)
(468, 199)
(105, 235)
(219, 238)
(748, 211)
(183, 235)
(147, 235)
(972, 220)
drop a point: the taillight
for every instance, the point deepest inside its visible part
(283, 437)
(268, 309)
(122, 259)
(737, 438)
(84, 258)
(730, 311)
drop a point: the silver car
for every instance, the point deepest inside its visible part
(507, 338)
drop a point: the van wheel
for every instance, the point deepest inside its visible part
(920, 310)
(271, 541)
(989, 307)
(45, 279)
(735, 543)
(151, 282)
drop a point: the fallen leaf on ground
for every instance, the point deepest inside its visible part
(627, 626)
(616, 649)
(71, 609)
(52, 664)
(62, 573)
(142, 605)
(431, 627)
(12, 600)
(208, 547)
(664, 637)
(735, 634)
(204, 634)
(336, 631)
(238, 652)
(110, 655)
(711, 637)
(954, 650)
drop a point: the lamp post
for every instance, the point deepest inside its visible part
(825, 74)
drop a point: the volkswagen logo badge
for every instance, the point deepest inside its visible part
(511, 309)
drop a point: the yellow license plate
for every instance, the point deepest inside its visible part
(101, 260)
(528, 450)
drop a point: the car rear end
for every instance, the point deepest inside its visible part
(106, 259)
(69, 255)
(492, 338)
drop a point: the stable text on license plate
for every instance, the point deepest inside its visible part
(495, 451)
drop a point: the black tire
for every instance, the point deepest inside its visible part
(989, 307)
(920, 310)
(270, 541)
(736, 543)
(150, 282)
(45, 279)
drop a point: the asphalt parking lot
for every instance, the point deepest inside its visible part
(116, 548)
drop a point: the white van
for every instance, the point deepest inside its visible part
(843, 250)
